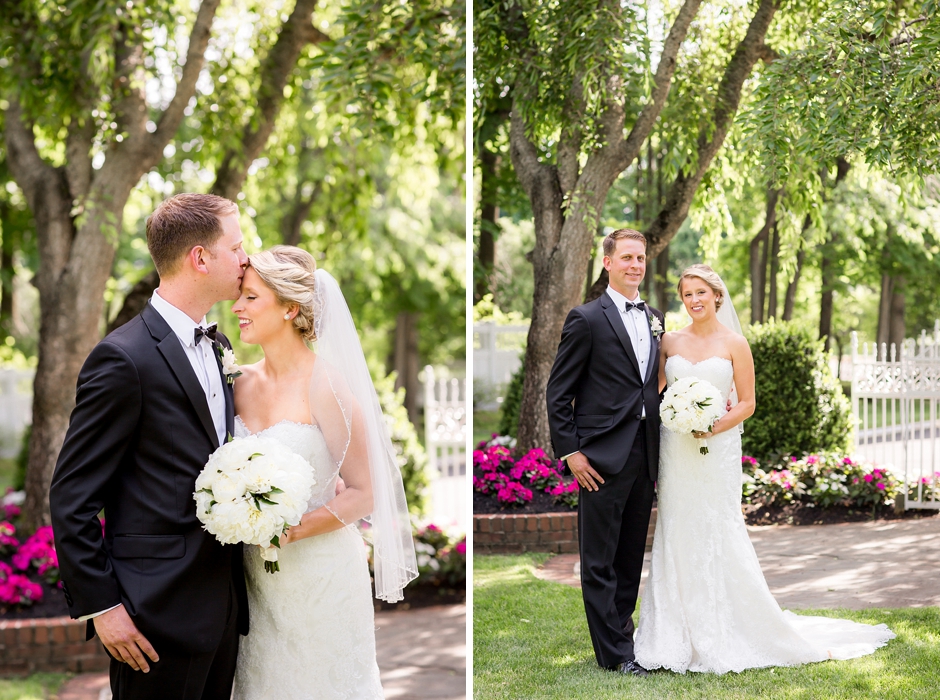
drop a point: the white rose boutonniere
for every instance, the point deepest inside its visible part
(229, 367)
(655, 326)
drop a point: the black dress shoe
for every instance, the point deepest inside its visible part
(631, 668)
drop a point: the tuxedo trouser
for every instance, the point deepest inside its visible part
(204, 676)
(612, 527)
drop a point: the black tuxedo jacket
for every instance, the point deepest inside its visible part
(595, 392)
(140, 434)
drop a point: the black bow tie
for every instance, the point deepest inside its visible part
(638, 305)
(209, 332)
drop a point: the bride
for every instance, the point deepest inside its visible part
(312, 628)
(706, 606)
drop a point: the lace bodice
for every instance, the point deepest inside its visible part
(306, 440)
(715, 370)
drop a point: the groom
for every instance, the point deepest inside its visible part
(166, 599)
(603, 412)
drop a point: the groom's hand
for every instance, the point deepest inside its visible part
(584, 472)
(123, 640)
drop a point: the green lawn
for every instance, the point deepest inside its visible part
(530, 640)
(7, 473)
(39, 686)
(484, 425)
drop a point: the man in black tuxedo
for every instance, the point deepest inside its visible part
(165, 597)
(603, 412)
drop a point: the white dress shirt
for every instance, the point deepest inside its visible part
(202, 359)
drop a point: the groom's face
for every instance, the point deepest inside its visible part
(226, 260)
(627, 266)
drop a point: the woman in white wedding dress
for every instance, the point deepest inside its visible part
(706, 606)
(311, 624)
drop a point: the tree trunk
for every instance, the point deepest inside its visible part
(772, 278)
(712, 135)
(828, 270)
(790, 299)
(884, 315)
(896, 326)
(406, 361)
(662, 280)
(7, 274)
(136, 299)
(489, 215)
(759, 253)
(566, 202)
(76, 252)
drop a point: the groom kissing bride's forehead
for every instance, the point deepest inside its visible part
(152, 404)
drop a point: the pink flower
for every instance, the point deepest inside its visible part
(461, 547)
(881, 486)
(812, 459)
(868, 478)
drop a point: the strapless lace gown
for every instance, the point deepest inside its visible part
(312, 628)
(706, 606)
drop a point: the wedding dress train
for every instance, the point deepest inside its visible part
(706, 605)
(312, 628)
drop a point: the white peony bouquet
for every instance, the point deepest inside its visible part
(691, 405)
(251, 490)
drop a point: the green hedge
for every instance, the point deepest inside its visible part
(509, 411)
(800, 405)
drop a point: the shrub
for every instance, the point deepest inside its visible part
(800, 405)
(409, 453)
(509, 411)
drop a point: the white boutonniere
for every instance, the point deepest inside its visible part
(229, 366)
(655, 326)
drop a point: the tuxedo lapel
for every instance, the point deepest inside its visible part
(169, 346)
(616, 322)
(227, 389)
(654, 344)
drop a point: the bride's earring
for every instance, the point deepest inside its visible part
(287, 317)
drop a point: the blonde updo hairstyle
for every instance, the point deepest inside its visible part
(289, 273)
(709, 277)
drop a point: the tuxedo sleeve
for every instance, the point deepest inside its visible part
(103, 424)
(571, 361)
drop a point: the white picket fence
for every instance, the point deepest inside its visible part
(445, 431)
(497, 354)
(16, 408)
(896, 405)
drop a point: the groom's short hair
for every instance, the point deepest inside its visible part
(610, 242)
(182, 222)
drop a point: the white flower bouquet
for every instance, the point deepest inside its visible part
(251, 490)
(691, 405)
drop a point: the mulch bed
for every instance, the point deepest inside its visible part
(541, 503)
(52, 604)
(790, 514)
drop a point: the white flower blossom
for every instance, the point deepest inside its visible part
(251, 490)
(691, 405)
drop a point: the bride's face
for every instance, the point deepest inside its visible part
(260, 316)
(699, 299)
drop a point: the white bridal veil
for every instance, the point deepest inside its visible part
(350, 417)
(729, 319)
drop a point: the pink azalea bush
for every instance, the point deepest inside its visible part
(39, 551)
(512, 480)
(16, 589)
(442, 560)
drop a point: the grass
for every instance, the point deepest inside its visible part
(884, 413)
(484, 425)
(530, 640)
(7, 476)
(39, 686)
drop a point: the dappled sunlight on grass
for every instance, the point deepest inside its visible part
(531, 641)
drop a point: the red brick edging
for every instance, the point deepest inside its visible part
(532, 532)
(51, 645)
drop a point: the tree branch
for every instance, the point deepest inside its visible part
(275, 71)
(662, 82)
(711, 136)
(195, 59)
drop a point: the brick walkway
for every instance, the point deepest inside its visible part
(422, 656)
(891, 564)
